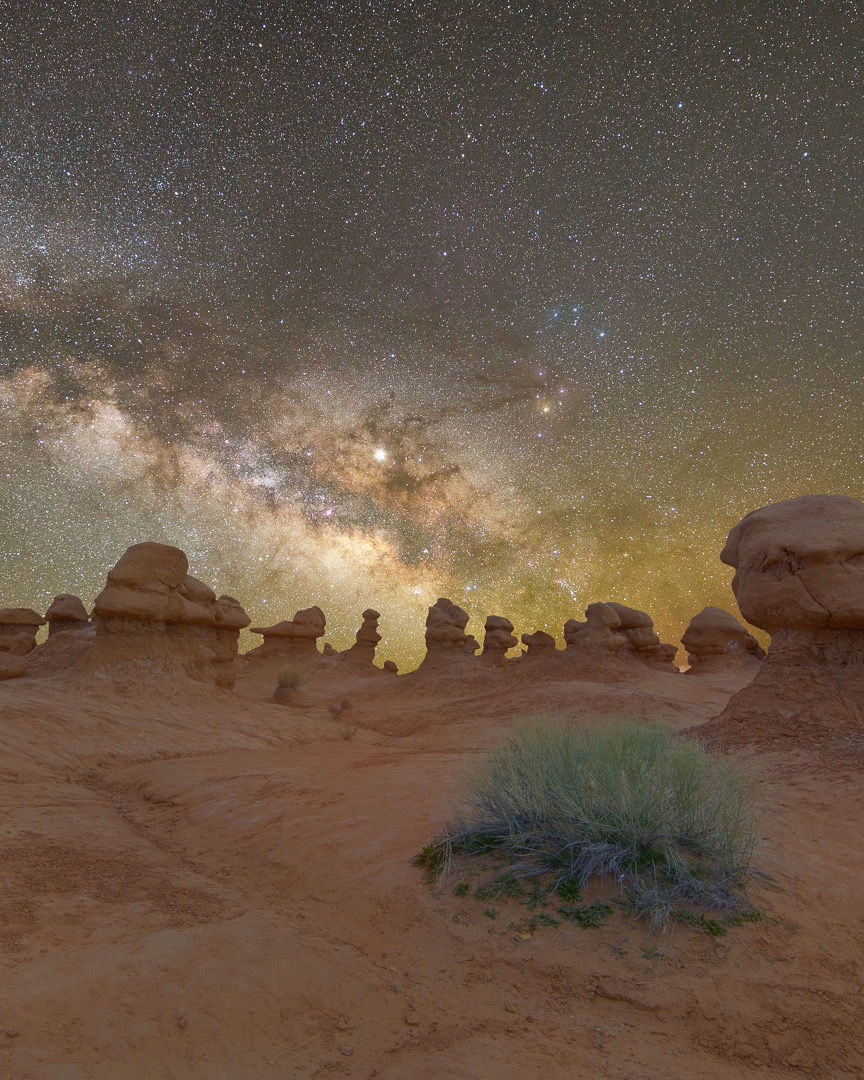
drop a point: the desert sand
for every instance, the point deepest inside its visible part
(203, 882)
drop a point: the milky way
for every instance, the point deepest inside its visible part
(364, 304)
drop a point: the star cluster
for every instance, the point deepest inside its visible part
(367, 303)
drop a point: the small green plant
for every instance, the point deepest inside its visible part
(542, 919)
(652, 815)
(491, 912)
(700, 921)
(588, 915)
(290, 678)
(536, 898)
(462, 889)
(498, 888)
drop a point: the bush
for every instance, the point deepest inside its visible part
(290, 678)
(652, 814)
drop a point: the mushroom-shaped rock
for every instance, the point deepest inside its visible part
(446, 640)
(597, 630)
(638, 628)
(154, 617)
(292, 638)
(498, 637)
(799, 574)
(540, 644)
(715, 641)
(18, 629)
(66, 612)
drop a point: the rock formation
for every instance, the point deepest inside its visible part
(615, 641)
(799, 574)
(390, 665)
(18, 629)
(498, 638)
(367, 638)
(293, 640)
(541, 646)
(66, 612)
(716, 642)
(638, 628)
(446, 640)
(153, 616)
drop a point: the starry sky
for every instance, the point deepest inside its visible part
(362, 304)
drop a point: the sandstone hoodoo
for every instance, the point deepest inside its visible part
(596, 633)
(66, 612)
(498, 638)
(153, 617)
(638, 628)
(799, 574)
(541, 646)
(294, 639)
(615, 640)
(18, 628)
(715, 641)
(367, 638)
(446, 640)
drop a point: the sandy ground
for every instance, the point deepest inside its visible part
(204, 884)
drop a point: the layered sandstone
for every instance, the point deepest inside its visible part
(292, 639)
(18, 629)
(498, 638)
(540, 646)
(446, 640)
(716, 642)
(153, 617)
(799, 574)
(67, 612)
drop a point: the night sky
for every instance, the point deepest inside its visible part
(362, 304)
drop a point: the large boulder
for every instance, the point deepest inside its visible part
(716, 642)
(799, 574)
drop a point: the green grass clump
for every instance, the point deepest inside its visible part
(667, 826)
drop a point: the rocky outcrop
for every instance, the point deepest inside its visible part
(367, 638)
(638, 628)
(154, 617)
(615, 641)
(716, 642)
(66, 612)
(390, 666)
(498, 638)
(540, 645)
(799, 574)
(18, 629)
(294, 639)
(446, 640)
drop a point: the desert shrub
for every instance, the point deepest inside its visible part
(290, 678)
(652, 815)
